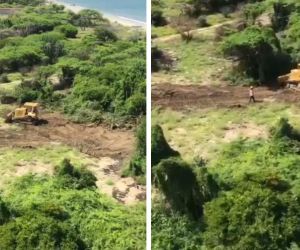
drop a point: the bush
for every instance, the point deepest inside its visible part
(202, 22)
(105, 35)
(255, 47)
(284, 129)
(136, 105)
(4, 78)
(68, 30)
(171, 230)
(4, 212)
(157, 18)
(177, 181)
(160, 149)
(35, 231)
(137, 165)
(26, 94)
(252, 217)
(78, 178)
(48, 215)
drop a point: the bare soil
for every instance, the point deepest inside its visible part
(96, 141)
(106, 149)
(179, 97)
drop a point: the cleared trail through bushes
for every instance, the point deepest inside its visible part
(179, 97)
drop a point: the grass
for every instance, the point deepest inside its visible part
(83, 33)
(16, 76)
(201, 132)
(198, 61)
(9, 87)
(12, 158)
(163, 31)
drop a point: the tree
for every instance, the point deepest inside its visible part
(160, 148)
(4, 212)
(105, 34)
(157, 18)
(53, 49)
(137, 165)
(68, 30)
(184, 26)
(284, 129)
(256, 49)
(87, 18)
(177, 181)
(78, 178)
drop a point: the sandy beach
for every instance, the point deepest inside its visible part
(112, 18)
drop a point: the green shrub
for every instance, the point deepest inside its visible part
(105, 35)
(136, 105)
(4, 78)
(78, 178)
(177, 181)
(4, 212)
(137, 165)
(157, 18)
(160, 149)
(172, 230)
(48, 215)
(68, 30)
(257, 50)
(284, 129)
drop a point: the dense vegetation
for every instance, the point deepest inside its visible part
(92, 71)
(66, 212)
(260, 38)
(103, 72)
(246, 198)
(137, 165)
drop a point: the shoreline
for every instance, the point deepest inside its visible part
(112, 18)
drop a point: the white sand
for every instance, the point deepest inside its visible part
(112, 18)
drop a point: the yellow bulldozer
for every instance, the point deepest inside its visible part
(28, 113)
(290, 80)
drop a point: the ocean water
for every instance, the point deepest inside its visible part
(132, 9)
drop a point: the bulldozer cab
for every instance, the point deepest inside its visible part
(31, 108)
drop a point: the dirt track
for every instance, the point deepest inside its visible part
(178, 97)
(95, 141)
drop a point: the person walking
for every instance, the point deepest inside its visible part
(251, 94)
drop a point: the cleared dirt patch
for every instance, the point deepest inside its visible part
(109, 181)
(93, 140)
(179, 97)
(104, 149)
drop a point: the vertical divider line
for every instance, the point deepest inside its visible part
(148, 119)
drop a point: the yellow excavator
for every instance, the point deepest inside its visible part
(27, 113)
(290, 80)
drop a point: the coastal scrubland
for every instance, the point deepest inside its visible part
(224, 170)
(77, 181)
